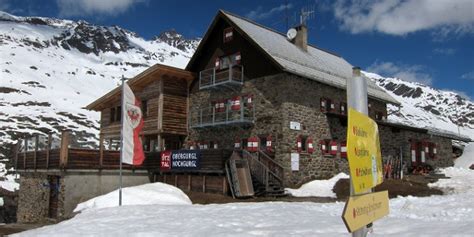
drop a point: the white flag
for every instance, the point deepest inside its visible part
(132, 124)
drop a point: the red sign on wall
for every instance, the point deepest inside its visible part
(165, 160)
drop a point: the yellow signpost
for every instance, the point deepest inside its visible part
(363, 152)
(362, 210)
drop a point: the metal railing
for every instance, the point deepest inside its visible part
(212, 77)
(210, 116)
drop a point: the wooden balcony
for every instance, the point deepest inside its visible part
(214, 78)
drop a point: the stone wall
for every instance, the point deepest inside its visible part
(75, 187)
(33, 198)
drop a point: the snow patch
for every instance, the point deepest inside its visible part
(318, 188)
(146, 194)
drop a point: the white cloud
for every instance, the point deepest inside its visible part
(400, 17)
(469, 75)
(412, 73)
(444, 51)
(90, 7)
(259, 13)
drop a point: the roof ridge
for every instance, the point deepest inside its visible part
(275, 31)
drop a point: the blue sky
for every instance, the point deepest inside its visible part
(429, 41)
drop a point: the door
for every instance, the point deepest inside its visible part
(54, 184)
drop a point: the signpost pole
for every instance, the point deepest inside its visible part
(121, 140)
(357, 99)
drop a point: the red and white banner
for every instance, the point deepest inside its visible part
(132, 124)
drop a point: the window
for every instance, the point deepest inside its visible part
(303, 143)
(112, 115)
(263, 141)
(118, 115)
(228, 61)
(150, 143)
(244, 144)
(145, 108)
(228, 34)
(343, 108)
(379, 115)
(115, 114)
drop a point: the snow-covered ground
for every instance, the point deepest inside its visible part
(467, 158)
(146, 194)
(318, 188)
(9, 182)
(448, 215)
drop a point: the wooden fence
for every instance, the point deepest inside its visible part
(64, 157)
(74, 158)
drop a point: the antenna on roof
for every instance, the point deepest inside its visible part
(286, 13)
(307, 13)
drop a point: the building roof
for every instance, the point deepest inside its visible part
(316, 64)
(139, 81)
(428, 130)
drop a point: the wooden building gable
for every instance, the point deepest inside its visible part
(162, 91)
(223, 40)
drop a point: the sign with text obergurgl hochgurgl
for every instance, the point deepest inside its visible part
(363, 152)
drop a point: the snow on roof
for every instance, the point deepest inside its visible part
(429, 130)
(315, 64)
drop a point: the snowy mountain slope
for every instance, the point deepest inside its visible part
(51, 68)
(423, 106)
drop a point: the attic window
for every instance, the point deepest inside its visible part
(228, 34)
(227, 61)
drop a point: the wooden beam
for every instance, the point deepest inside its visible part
(36, 151)
(189, 182)
(160, 107)
(204, 184)
(17, 149)
(24, 152)
(224, 187)
(48, 149)
(101, 150)
(63, 153)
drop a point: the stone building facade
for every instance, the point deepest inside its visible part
(284, 98)
(286, 88)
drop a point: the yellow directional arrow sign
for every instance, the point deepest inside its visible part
(362, 210)
(363, 152)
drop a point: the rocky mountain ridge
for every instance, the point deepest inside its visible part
(51, 68)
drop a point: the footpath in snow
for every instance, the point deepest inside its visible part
(448, 215)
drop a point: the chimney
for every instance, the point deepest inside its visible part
(301, 39)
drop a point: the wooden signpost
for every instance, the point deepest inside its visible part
(362, 210)
(363, 151)
(365, 162)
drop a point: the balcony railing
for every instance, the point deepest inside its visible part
(209, 116)
(211, 77)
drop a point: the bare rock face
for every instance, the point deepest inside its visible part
(95, 39)
(173, 38)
